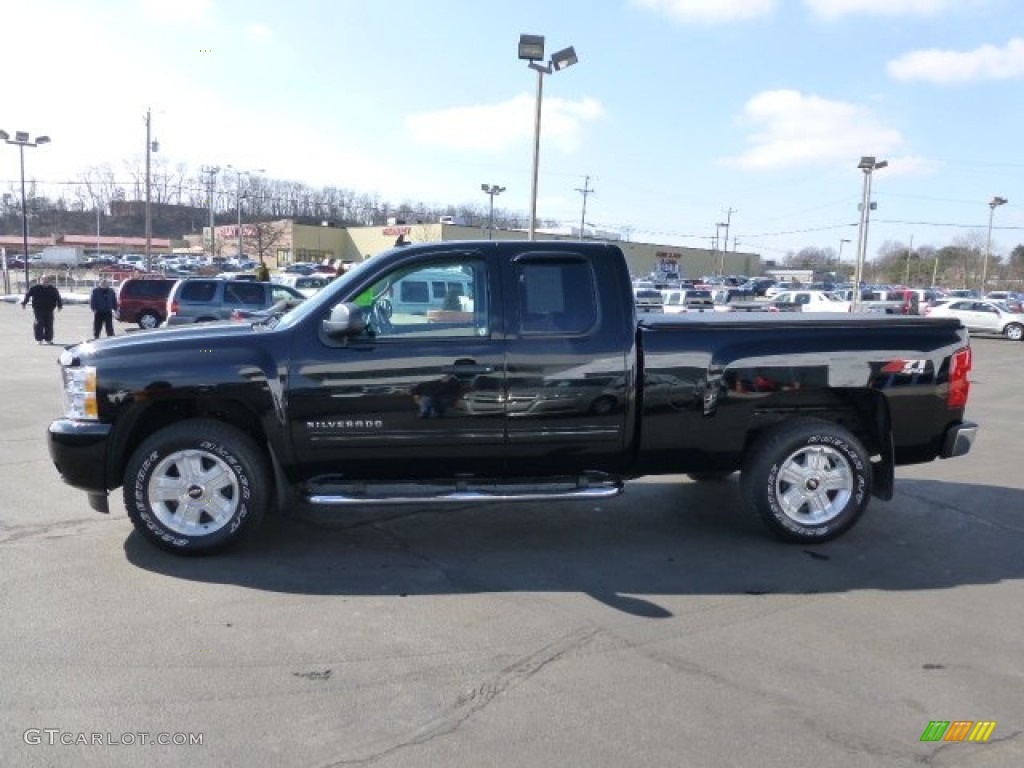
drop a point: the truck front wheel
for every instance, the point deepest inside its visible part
(809, 480)
(196, 487)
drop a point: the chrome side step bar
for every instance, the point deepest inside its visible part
(469, 490)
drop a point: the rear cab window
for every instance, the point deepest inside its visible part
(556, 295)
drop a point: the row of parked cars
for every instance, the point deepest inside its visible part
(150, 302)
(999, 312)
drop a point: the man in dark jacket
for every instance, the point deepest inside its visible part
(103, 303)
(45, 299)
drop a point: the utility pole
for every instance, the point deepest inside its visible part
(212, 171)
(583, 216)
(728, 220)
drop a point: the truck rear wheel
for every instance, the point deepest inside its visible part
(808, 480)
(196, 487)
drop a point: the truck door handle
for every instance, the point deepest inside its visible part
(466, 365)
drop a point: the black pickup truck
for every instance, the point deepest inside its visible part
(468, 371)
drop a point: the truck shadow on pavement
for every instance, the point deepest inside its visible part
(659, 538)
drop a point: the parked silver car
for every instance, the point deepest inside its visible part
(980, 316)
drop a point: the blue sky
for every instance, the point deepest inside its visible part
(678, 110)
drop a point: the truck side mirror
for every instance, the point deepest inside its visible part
(345, 320)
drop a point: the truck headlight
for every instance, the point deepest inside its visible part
(80, 392)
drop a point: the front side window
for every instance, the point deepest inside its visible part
(438, 299)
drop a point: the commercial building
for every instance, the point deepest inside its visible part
(286, 241)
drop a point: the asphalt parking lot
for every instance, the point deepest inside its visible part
(663, 628)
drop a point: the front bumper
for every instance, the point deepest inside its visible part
(79, 451)
(959, 439)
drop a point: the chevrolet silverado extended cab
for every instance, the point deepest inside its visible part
(539, 382)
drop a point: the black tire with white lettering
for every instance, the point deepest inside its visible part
(808, 480)
(197, 487)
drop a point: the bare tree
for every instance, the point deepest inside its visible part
(264, 237)
(810, 257)
(1015, 266)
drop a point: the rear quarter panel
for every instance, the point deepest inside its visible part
(712, 381)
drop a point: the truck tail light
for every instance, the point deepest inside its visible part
(172, 308)
(959, 384)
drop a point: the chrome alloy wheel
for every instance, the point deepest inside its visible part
(193, 492)
(814, 485)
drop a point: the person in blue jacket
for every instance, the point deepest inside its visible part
(45, 300)
(103, 303)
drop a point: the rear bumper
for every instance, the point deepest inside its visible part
(959, 439)
(79, 451)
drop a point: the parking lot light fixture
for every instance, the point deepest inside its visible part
(21, 140)
(491, 190)
(531, 49)
(994, 203)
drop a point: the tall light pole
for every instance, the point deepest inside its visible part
(491, 190)
(151, 146)
(994, 203)
(868, 165)
(21, 140)
(238, 200)
(839, 258)
(531, 49)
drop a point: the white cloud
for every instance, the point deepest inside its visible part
(709, 11)
(258, 32)
(795, 129)
(946, 67)
(497, 127)
(188, 11)
(911, 165)
(831, 9)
